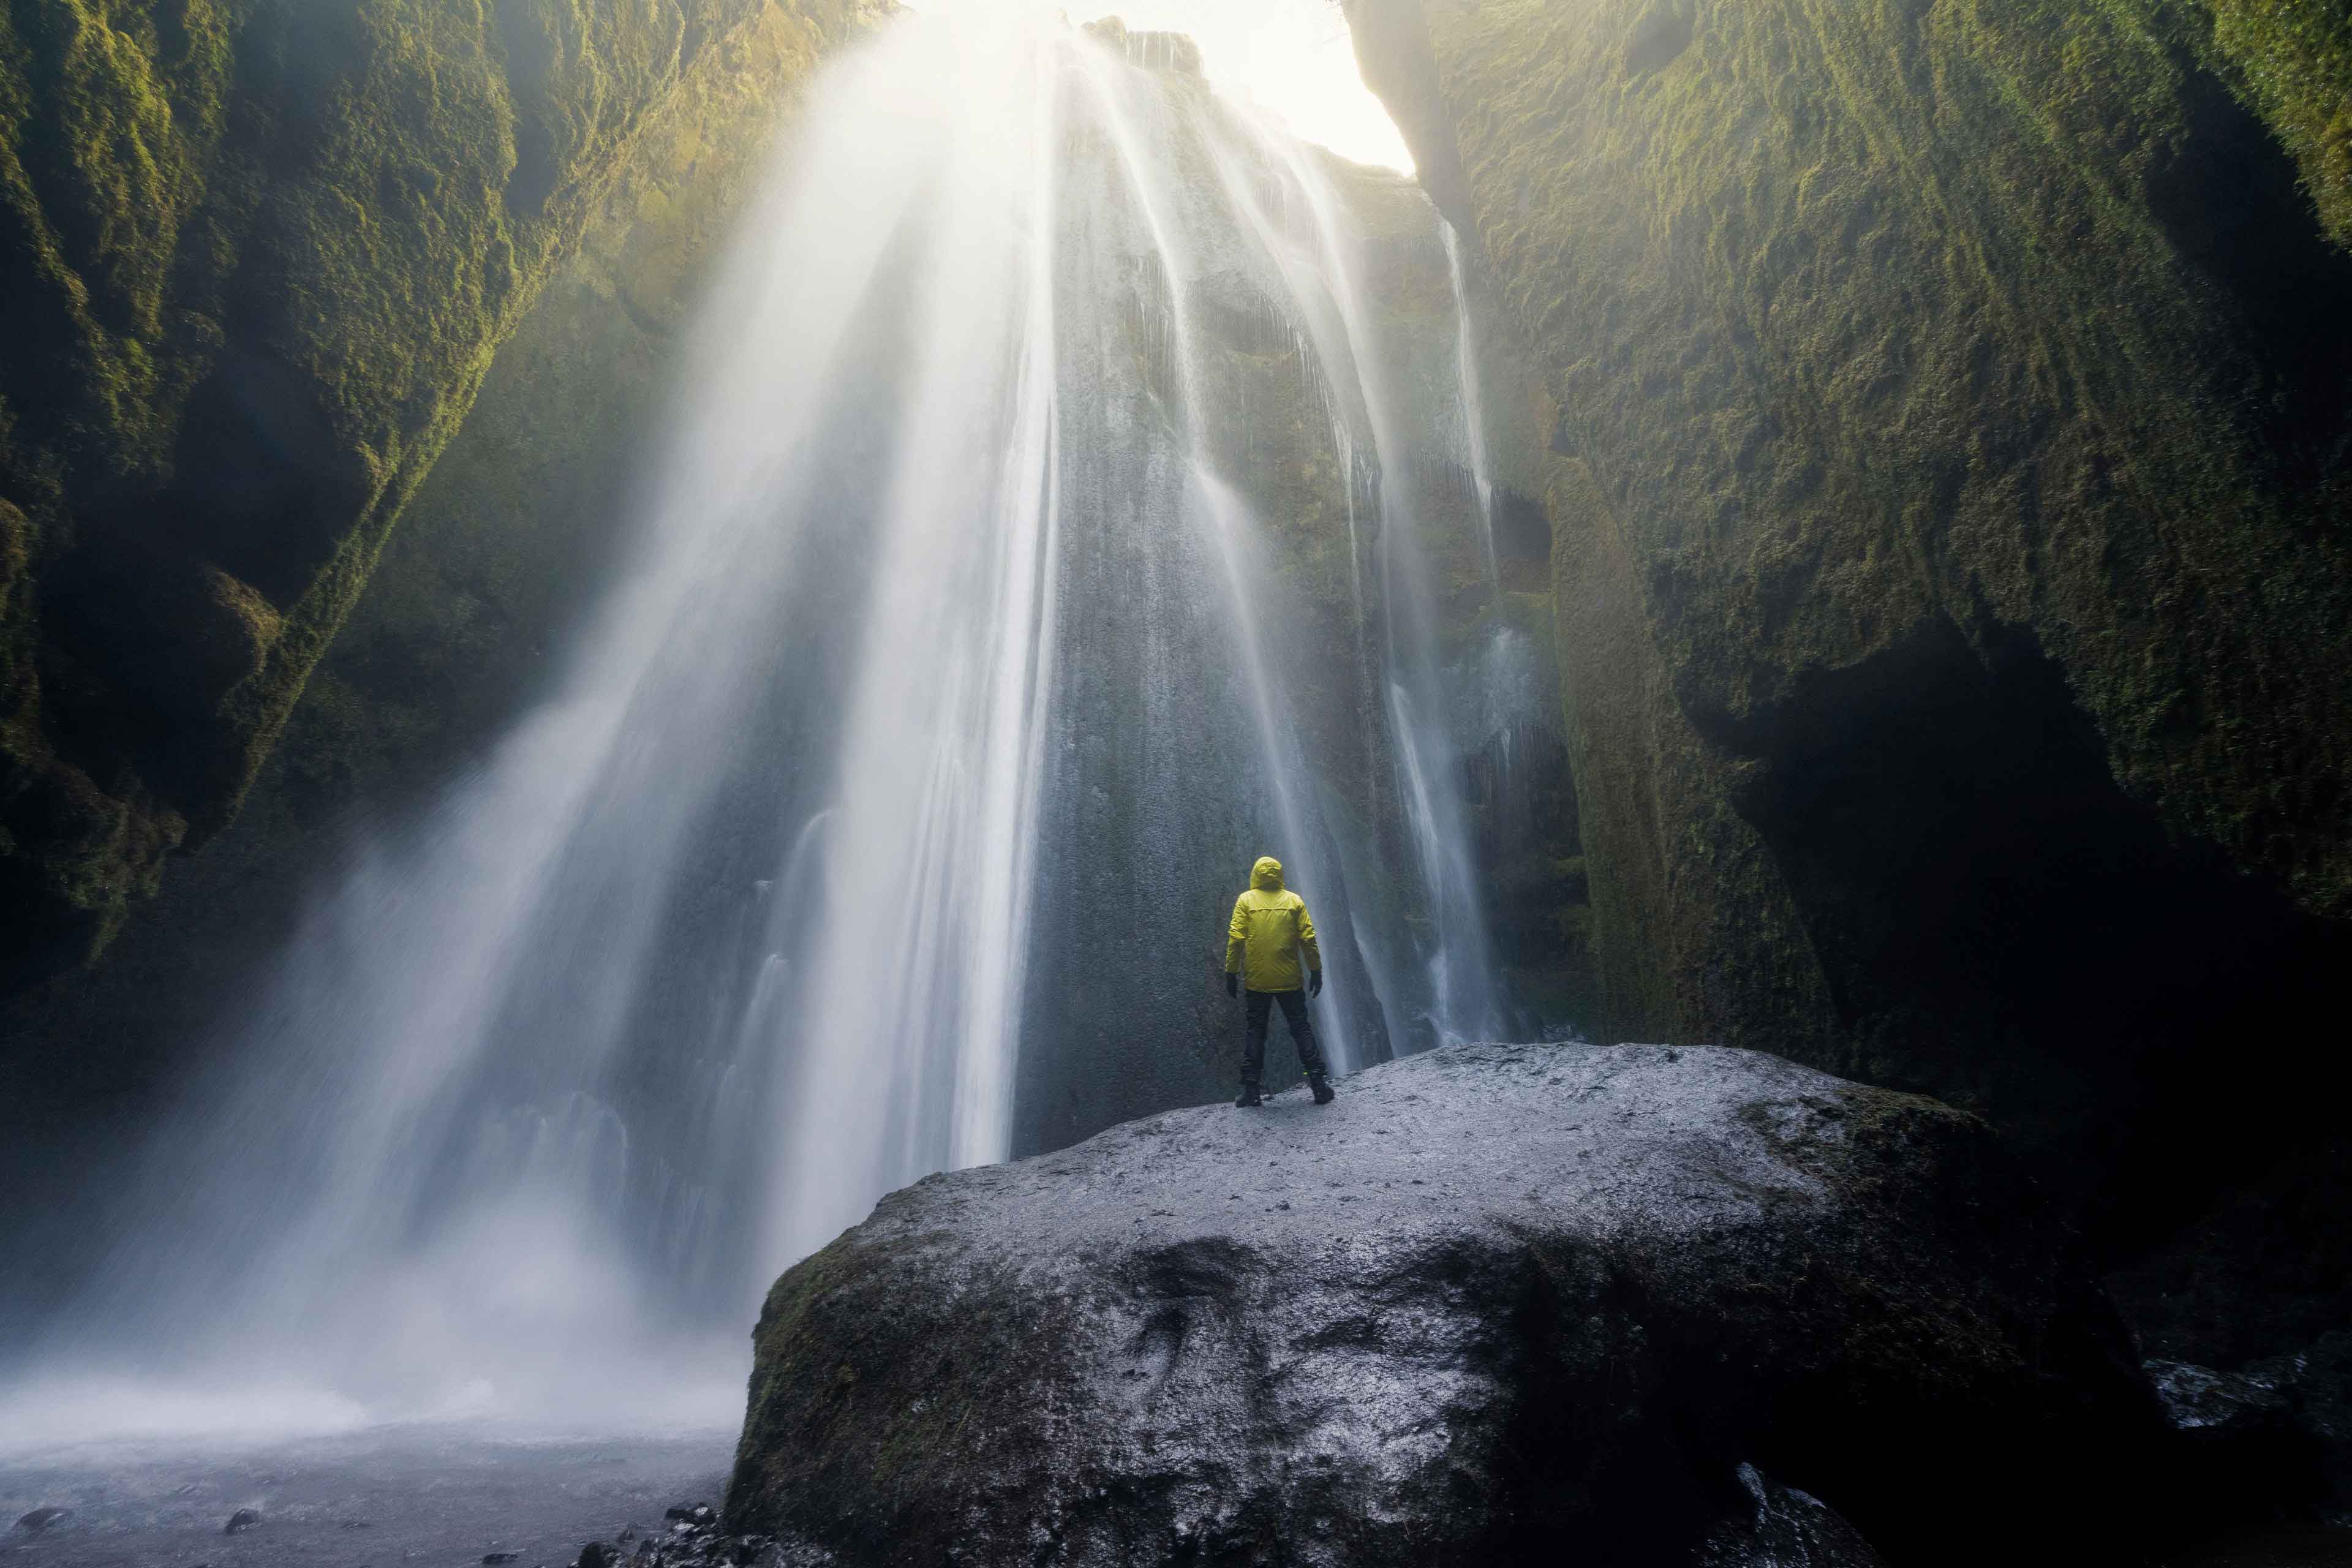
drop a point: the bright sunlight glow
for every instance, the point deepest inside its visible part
(1292, 58)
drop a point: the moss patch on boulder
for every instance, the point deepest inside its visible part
(2294, 59)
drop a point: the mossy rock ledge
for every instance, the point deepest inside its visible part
(1495, 1301)
(255, 258)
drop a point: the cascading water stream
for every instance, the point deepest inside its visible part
(1231, 524)
(1474, 417)
(968, 658)
(1466, 990)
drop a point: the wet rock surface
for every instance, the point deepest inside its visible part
(2316, 1381)
(1495, 1298)
(2200, 1399)
(690, 1536)
(426, 1494)
(1787, 1530)
(2242, 1442)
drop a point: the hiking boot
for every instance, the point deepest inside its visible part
(1249, 1099)
(1322, 1088)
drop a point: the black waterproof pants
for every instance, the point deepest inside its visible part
(1302, 1032)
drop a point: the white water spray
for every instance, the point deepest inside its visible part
(962, 669)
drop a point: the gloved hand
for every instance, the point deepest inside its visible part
(1233, 985)
(1315, 983)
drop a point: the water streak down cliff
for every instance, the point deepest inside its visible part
(969, 653)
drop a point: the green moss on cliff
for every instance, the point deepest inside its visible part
(19, 689)
(1954, 422)
(508, 536)
(1864, 319)
(503, 544)
(260, 255)
(2296, 60)
(1692, 932)
(111, 118)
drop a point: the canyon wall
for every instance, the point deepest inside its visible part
(1947, 476)
(521, 522)
(498, 550)
(255, 258)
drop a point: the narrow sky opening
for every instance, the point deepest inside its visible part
(1292, 58)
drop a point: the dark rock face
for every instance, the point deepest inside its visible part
(2242, 1442)
(1787, 1530)
(1495, 1298)
(2315, 1379)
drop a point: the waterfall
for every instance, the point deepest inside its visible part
(1474, 417)
(981, 632)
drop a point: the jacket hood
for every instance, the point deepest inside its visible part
(1266, 875)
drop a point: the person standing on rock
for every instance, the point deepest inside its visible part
(1270, 928)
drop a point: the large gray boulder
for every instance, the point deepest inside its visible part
(1497, 1301)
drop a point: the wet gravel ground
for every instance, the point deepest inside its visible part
(422, 1495)
(456, 1496)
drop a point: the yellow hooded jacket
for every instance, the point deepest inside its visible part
(1270, 925)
